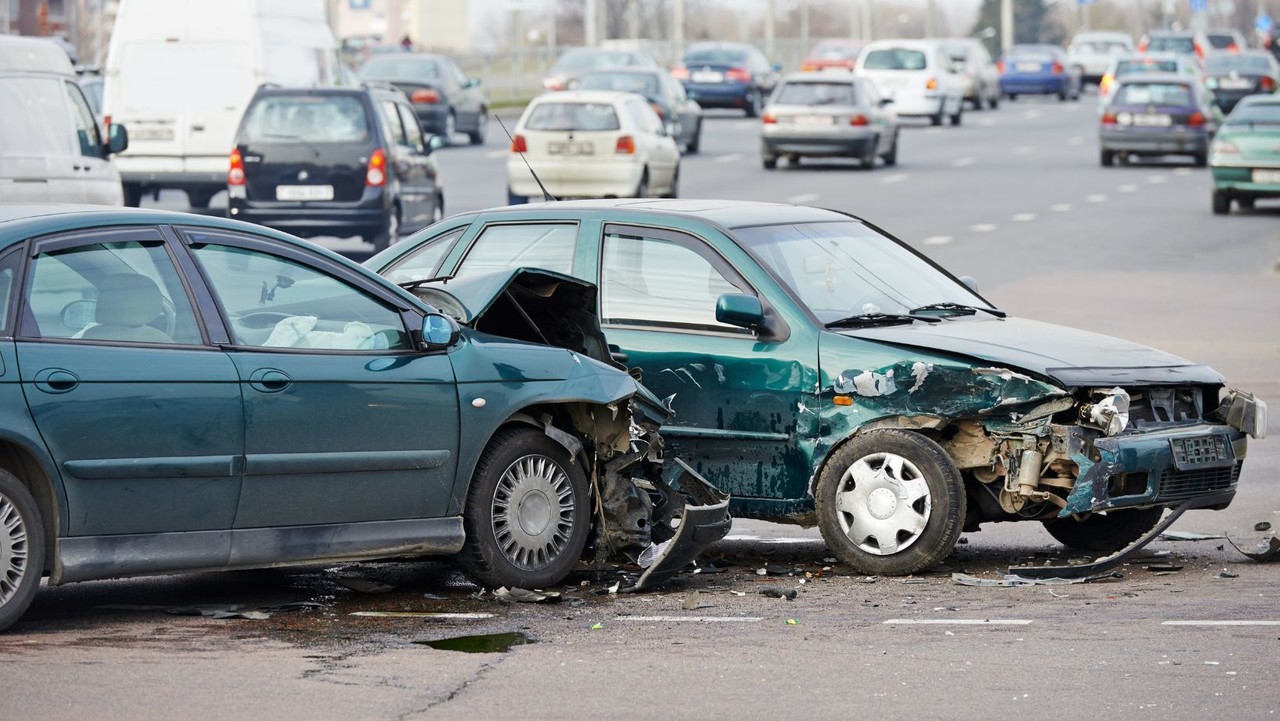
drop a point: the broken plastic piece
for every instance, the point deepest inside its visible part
(1012, 580)
(1187, 536)
(524, 595)
(364, 585)
(423, 614)
(1105, 563)
(1266, 552)
(1111, 414)
(775, 592)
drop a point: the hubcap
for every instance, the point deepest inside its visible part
(883, 503)
(13, 550)
(533, 509)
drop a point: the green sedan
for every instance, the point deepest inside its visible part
(1245, 156)
(184, 393)
(824, 373)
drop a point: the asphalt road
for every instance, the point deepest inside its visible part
(1015, 198)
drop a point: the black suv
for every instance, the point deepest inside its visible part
(334, 161)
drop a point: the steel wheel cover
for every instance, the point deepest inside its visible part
(13, 550)
(883, 503)
(533, 509)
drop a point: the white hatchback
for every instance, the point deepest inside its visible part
(591, 144)
(918, 76)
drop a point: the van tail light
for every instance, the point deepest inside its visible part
(626, 145)
(1267, 84)
(1000, 66)
(769, 118)
(1196, 120)
(859, 120)
(931, 84)
(424, 96)
(1057, 68)
(658, 109)
(1142, 46)
(376, 174)
(680, 72)
(1109, 119)
(518, 144)
(235, 175)
(738, 75)
(809, 67)
(1199, 50)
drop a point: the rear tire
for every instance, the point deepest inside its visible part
(132, 195)
(891, 157)
(754, 104)
(769, 162)
(199, 199)
(482, 124)
(1108, 158)
(1104, 533)
(959, 114)
(994, 101)
(513, 199)
(696, 141)
(390, 232)
(1221, 203)
(868, 159)
(1245, 202)
(1201, 160)
(22, 549)
(450, 128)
(642, 190)
(674, 192)
(1012, 96)
(936, 120)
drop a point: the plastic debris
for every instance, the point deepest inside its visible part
(597, 626)
(220, 612)
(1187, 536)
(693, 602)
(1266, 552)
(775, 592)
(423, 614)
(292, 606)
(1228, 574)
(524, 595)
(484, 643)
(364, 585)
(1262, 526)
(1163, 567)
(792, 622)
(1012, 580)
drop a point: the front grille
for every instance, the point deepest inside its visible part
(1178, 485)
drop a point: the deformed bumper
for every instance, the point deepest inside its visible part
(703, 518)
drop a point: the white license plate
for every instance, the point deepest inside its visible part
(814, 120)
(304, 192)
(1152, 121)
(570, 149)
(1028, 67)
(1270, 177)
(1235, 83)
(707, 76)
(153, 134)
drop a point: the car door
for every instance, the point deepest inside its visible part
(142, 416)
(663, 155)
(100, 183)
(410, 167)
(424, 171)
(345, 421)
(38, 163)
(465, 94)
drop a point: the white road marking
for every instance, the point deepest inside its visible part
(957, 622)
(891, 179)
(493, 154)
(1030, 114)
(1075, 140)
(691, 619)
(987, 122)
(937, 240)
(983, 227)
(963, 162)
(1128, 188)
(1096, 199)
(1024, 217)
(1182, 171)
(1220, 623)
(931, 130)
(730, 158)
(803, 198)
(1024, 150)
(1157, 179)
(1060, 207)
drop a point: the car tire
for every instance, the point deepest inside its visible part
(769, 162)
(1063, 95)
(450, 128)
(1012, 96)
(132, 194)
(867, 161)
(754, 103)
(642, 190)
(199, 199)
(1108, 158)
(1200, 160)
(958, 116)
(858, 500)
(1221, 203)
(891, 157)
(22, 549)
(994, 101)
(696, 141)
(528, 513)
(674, 192)
(482, 127)
(437, 213)
(936, 119)
(390, 232)
(1104, 532)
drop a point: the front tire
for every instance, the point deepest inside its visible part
(527, 516)
(1221, 203)
(1108, 158)
(390, 231)
(890, 502)
(482, 125)
(1104, 532)
(22, 549)
(891, 157)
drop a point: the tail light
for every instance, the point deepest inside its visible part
(738, 75)
(518, 144)
(808, 67)
(1000, 66)
(1109, 118)
(626, 145)
(1199, 50)
(859, 120)
(769, 118)
(1142, 46)
(1105, 84)
(1057, 68)
(376, 174)
(1223, 147)
(1267, 84)
(555, 83)
(658, 109)
(424, 95)
(931, 84)
(235, 175)
(1196, 120)
(680, 72)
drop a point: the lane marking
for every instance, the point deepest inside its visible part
(1024, 217)
(1128, 188)
(1157, 179)
(937, 240)
(494, 154)
(1060, 207)
(963, 162)
(895, 178)
(983, 227)
(1075, 140)
(691, 619)
(1096, 199)
(1031, 114)
(730, 158)
(957, 622)
(1182, 171)
(987, 122)
(803, 198)
(1024, 150)
(1220, 623)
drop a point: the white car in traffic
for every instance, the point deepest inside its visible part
(591, 144)
(918, 75)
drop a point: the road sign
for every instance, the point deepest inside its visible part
(1264, 23)
(1199, 6)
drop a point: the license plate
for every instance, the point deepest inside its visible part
(707, 76)
(1270, 177)
(570, 149)
(154, 134)
(304, 192)
(814, 120)
(1201, 452)
(1235, 83)
(1152, 121)
(1028, 67)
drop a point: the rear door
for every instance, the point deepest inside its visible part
(415, 171)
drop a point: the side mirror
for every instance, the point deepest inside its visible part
(777, 67)
(744, 311)
(117, 139)
(473, 83)
(434, 143)
(969, 282)
(439, 331)
(886, 101)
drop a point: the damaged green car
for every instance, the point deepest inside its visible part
(823, 372)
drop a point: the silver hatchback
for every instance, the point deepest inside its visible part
(826, 115)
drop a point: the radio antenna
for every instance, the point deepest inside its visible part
(545, 195)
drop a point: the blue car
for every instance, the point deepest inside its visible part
(727, 75)
(1038, 70)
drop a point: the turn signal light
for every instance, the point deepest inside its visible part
(1000, 67)
(424, 95)
(518, 145)
(769, 119)
(738, 75)
(235, 176)
(1109, 119)
(1057, 68)
(1196, 120)
(859, 120)
(626, 145)
(932, 84)
(376, 174)
(1267, 84)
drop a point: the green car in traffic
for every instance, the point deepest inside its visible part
(1245, 155)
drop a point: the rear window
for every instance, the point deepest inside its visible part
(1097, 46)
(1146, 66)
(721, 57)
(36, 120)
(390, 66)
(1031, 56)
(1255, 114)
(1171, 45)
(572, 116)
(1222, 41)
(306, 118)
(896, 59)
(1228, 62)
(816, 94)
(1154, 94)
(643, 84)
(836, 52)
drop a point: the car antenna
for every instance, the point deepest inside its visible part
(545, 195)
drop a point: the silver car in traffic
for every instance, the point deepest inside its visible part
(826, 115)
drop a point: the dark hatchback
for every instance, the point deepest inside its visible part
(336, 162)
(1232, 76)
(727, 75)
(445, 100)
(1155, 114)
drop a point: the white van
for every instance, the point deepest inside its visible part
(180, 72)
(51, 149)
(918, 75)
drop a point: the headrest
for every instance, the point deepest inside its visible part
(128, 299)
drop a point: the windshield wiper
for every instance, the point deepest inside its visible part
(866, 319)
(289, 136)
(958, 309)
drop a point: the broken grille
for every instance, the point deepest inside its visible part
(1181, 485)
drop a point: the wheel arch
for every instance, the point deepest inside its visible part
(929, 426)
(33, 472)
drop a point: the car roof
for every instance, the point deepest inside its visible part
(582, 96)
(721, 44)
(33, 55)
(908, 43)
(825, 76)
(725, 213)
(1169, 78)
(1103, 34)
(627, 69)
(1171, 34)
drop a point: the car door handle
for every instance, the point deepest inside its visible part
(270, 380)
(56, 380)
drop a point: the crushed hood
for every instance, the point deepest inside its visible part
(1070, 356)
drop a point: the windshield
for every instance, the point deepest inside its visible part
(390, 66)
(1226, 63)
(306, 118)
(1222, 41)
(844, 268)
(582, 60)
(1171, 45)
(1148, 65)
(641, 83)
(816, 94)
(572, 116)
(1154, 94)
(897, 59)
(1255, 113)
(715, 56)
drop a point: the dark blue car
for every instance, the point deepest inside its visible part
(727, 75)
(1038, 70)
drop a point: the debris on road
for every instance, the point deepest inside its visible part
(1163, 567)
(482, 643)
(1013, 580)
(693, 602)
(1188, 536)
(1266, 552)
(1228, 574)
(775, 592)
(1262, 526)
(219, 612)
(524, 595)
(423, 614)
(364, 585)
